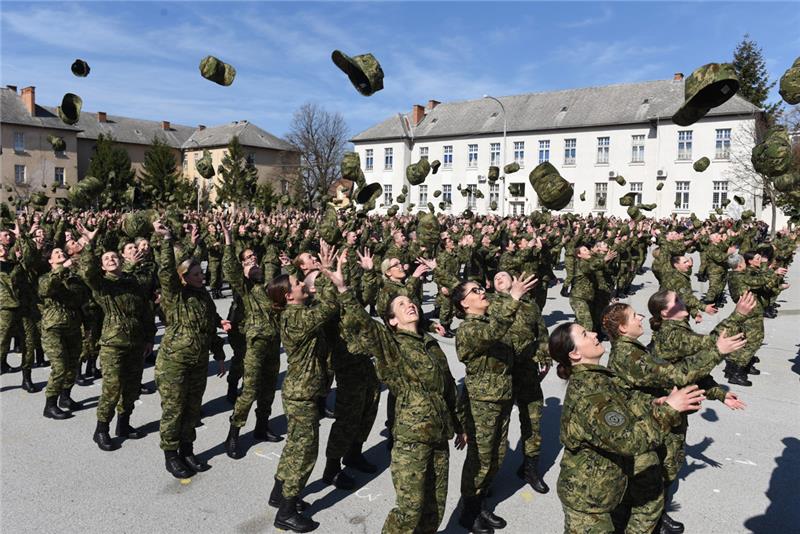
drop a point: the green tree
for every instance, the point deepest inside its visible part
(160, 181)
(748, 61)
(238, 178)
(112, 166)
(265, 198)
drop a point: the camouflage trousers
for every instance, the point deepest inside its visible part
(63, 349)
(357, 396)
(540, 295)
(673, 452)
(238, 343)
(583, 313)
(92, 327)
(261, 365)
(214, 274)
(569, 267)
(419, 476)
(529, 399)
(12, 323)
(642, 504)
(181, 380)
(716, 284)
(753, 329)
(122, 379)
(487, 428)
(576, 522)
(445, 309)
(302, 445)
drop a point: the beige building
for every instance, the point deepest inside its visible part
(29, 163)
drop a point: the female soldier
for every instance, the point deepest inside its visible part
(674, 341)
(415, 368)
(603, 426)
(182, 365)
(488, 392)
(653, 375)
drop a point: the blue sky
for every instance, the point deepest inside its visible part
(144, 55)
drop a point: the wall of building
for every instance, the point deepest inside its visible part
(137, 153)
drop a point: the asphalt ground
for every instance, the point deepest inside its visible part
(741, 472)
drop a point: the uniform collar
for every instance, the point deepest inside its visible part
(591, 368)
(629, 341)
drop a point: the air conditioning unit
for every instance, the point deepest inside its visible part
(611, 174)
(481, 179)
(661, 174)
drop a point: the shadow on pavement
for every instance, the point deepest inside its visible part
(783, 513)
(554, 317)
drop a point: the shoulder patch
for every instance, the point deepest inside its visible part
(614, 418)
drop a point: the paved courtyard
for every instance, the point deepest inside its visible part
(741, 473)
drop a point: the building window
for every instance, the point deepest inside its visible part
(447, 194)
(494, 153)
(448, 157)
(600, 195)
(472, 155)
(471, 200)
(423, 152)
(570, 148)
(685, 144)
(603, 145)
(494, 193)
(19, 174)
(387, 195)
(19, 142)
(369, 159)
(519, 153)
(682, 195)
(517, 208)
(197, 156)
(637, 148)
(571, 204)
(720, 193)
(636, 187)
(58, 175)
(516, 190)
(544, 151)
(723, 144)
(251, 159)
(423, 195)
(388, 158)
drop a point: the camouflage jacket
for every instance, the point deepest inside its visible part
(717, 256)
(416, 371)
(13, 276)
(390, 289)
(483, 349)
(61, 292)
(447, 269)
(259, 320)
(674, 280)
(763, 283)
(583, 281)
(191, 315)
(122, 300)
(603, 426)
(527, 335)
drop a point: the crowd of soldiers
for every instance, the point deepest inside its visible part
(78, 288)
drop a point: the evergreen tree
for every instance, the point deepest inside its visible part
(748, 61)
(112, 166)
(238, 178)
(264, 198)
(159, 177)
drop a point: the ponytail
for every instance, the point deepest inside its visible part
(657, 303)
(560, 345)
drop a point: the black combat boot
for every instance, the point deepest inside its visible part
(40, 361)
(96, 373)
(65, 401)
(186, 451)
(288, 518)
(355, 459)
(564, 290)
(751, 368)
(738, 376)
(232, 443)
(276, 497)
(175, 465)
(669, 525)
(124, 429)
(51, 409)
(103, 439)
(83, 379)
(334, 475)
(528, 472)
(233, 392)
(494, 521)
(770, 312)
(471, 518)
(27, 383)
(262, 431)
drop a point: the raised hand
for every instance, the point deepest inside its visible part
(159, 228)
(430, 264)
(746, 304)
(521, 285)
(727, 345)
(284, 259)
(336, 277)
(686, 399)
(365, 260)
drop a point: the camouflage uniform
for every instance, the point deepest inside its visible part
(182, 365)
(603, 427)
(416, 370)
(15, 316)
(488, 393)
(446, 276)
(716, 269)
(583, 291)
(679, 282)
(214, 269)
(763, 283)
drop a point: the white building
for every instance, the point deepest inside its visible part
(591, 135)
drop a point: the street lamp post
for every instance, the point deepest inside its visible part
(503, 154)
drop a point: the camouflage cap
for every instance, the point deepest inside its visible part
(660, 186)
(205, 165)
(364, 71)
(139, 223)
(554, 192)
(442, 205)
(392, 211)
(494, 173)
(712, 217)
(417, 172)
(428, 229)
(790, 84)
(739, 200)
(468, 214)
(70, 109)
(351, 168)
(404, 189)
(83, 193)
(511, 168)
(718, 211)
(727, 201)
(628, 199)
(57, 142)
(39, 199)
(401, 199)
(773, 155)
(516, 190)
(369, 193)
(431, 207)
(478, 193)
(748, 214)
(583, 196)
(634, 213)
(707, 87)
(465, 192)
(647, 207)
(217, 71)
(677, 203)
(701, 164)
(329, 226)
(437, 193)
(786, 183)
(80, 68)
(493, 205)
(435, 164)
(620, 179)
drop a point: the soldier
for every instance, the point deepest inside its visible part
(487, 394)
(677, 277)
(582, 294)
(716, 262)
(182, 366)
(446, 277)
(214, 269)
(603, 426)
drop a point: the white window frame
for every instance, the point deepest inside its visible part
(571, 204)
(519, 153)
(494, 194)
(369, 159)
(447, 193)
(20, 174)
(682, 194)
(494, 154)
(637, 187)
(423, 195)
(423, 152)
(544, 150)
(685, 145)
(570, 150)
(517, 207)
(60, 180)
(388, 200)
(471, 198)
(637, 148)
(723, 143)
(601, 191)
(388, 158)
(603, 150)
(719, 193)
(447, 156)
(19, 141)
(472, 155)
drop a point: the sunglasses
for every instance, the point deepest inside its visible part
(478, 290)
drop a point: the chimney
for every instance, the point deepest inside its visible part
(29, 99)
(201, 126)
(101, 116)
(165, 125)
(678, 76)
(417, 114)
(432, 104)
(12, 87)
